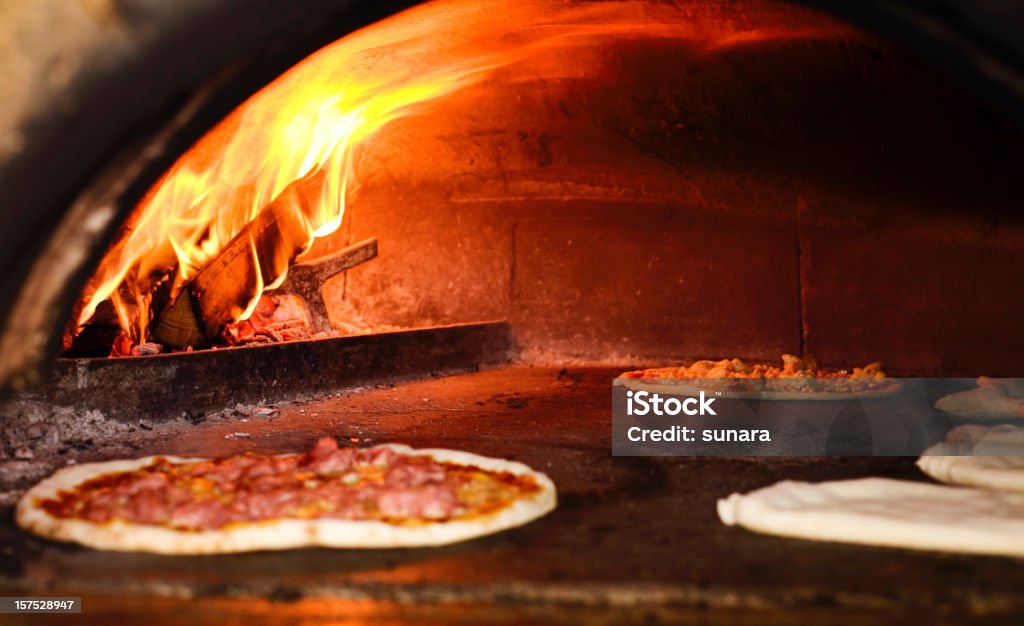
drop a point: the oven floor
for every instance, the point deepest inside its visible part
(631, 537)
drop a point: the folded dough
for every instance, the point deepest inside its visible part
(986, 402)
(996, 458)
(885, 512)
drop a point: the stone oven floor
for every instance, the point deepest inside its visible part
(633, 539)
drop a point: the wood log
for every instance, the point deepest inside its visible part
(178, 325)
(223, 289)
(257, 256)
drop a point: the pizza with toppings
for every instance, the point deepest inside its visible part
(798, 378)
(380, 497)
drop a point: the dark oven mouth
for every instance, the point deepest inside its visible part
(479, 223)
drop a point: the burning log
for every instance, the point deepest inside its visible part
(96, 337)
(178, 325)
(221, 291)
(257, 256)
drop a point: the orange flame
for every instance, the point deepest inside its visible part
(305, 125)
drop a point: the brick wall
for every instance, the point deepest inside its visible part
(828, 198)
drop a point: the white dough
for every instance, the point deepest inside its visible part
(885, 512)
(986, 440)
(996, 461)
(983, 403)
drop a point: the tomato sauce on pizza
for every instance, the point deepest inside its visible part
(328, 482)
(797, 374)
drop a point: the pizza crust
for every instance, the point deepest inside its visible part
(885, 512)
(983, 403)
(978, 456)
(890, 388)
(1005, 473)
(277, 534)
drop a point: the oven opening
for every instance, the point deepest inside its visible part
(244, 239)
(458, 225)
(621, 182)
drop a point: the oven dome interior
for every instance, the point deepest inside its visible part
(795, 185)
(752, 183)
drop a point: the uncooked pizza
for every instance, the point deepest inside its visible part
(993, 399)
(383, 496)
(884, 512)
(990, 457)
(798, 378)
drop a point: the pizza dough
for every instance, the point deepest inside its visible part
(277, 534)
(996, 458)
(988, 472)
(994, 399)
(885, 512)
(981, 440)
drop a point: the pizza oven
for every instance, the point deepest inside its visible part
(454, 226)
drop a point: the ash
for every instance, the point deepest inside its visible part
(37, 438)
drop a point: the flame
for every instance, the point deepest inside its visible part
(305, 126)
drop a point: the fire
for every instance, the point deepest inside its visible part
(277, 172)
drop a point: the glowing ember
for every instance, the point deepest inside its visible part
(276, 173)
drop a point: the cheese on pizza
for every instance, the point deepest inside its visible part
(387, 495)
(795, 374)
